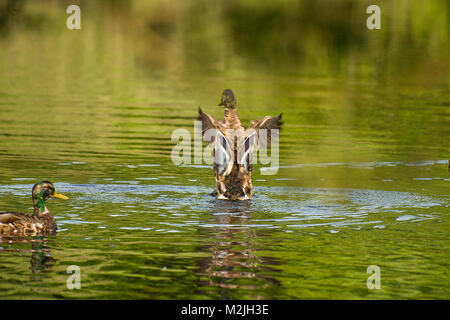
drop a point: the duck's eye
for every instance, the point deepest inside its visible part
(45, 193)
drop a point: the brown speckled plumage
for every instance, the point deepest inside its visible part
(41, 222)
(233, 180)
(23, 224)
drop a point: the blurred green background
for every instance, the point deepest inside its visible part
(364, 149)
(348, 93)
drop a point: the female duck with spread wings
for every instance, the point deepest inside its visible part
(233, 148)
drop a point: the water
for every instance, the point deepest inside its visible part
(363, 176)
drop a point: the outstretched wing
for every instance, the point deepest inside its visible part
(208, 122)
(259, 133)
(223, 154)
(246, 145)
(264, 128)
(223, 151)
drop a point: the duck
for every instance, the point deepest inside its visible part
(41, 222)
(233, 146)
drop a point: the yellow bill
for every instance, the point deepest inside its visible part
(60, 196)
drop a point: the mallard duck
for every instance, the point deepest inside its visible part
(41, 222)
(233, 147)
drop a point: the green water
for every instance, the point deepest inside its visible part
(364, 151)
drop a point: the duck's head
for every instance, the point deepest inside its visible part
(228, 99)
(41, 192)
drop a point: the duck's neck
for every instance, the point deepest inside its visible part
(231, 118)
(39, 208)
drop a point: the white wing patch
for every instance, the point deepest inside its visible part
(247, 144)
(223, 154)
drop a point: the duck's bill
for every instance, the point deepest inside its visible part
(60, 196)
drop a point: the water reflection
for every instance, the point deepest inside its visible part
(40, 254)
(234, 263)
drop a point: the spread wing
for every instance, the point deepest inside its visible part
(208, 122)
(246, 145)
(259, 133)
(264, 128)
(223, 154)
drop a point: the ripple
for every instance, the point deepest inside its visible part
(406, 218)
(371, 164)
(184, 206)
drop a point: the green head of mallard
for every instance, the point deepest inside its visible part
(41, 192)
(228, 99)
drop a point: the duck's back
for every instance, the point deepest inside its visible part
(24, 224)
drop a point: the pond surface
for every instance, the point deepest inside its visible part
(363, 177)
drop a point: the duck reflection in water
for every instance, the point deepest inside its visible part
(40, 254)
(234, 264)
